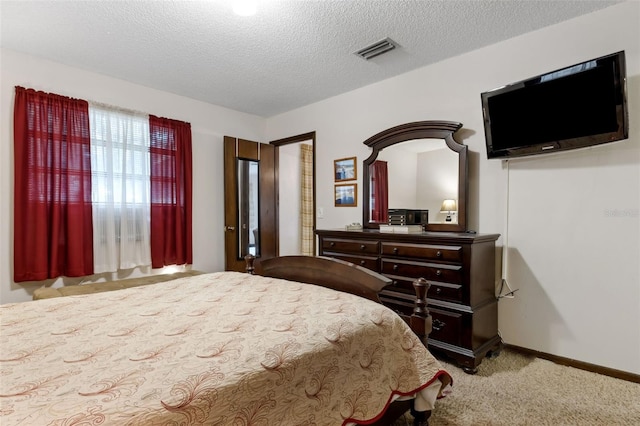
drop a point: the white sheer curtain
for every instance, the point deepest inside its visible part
(120, 173)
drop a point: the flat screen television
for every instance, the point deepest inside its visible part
(574, 107)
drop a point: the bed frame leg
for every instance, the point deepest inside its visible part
(249, 259)
(421, 418)
(421, 322)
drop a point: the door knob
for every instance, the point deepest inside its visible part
(229, 228)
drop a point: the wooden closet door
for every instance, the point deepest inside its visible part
(241, 157)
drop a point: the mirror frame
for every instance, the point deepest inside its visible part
(420, 130)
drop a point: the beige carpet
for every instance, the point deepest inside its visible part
(516, 389)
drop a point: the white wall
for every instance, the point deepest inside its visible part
(438, 178)
(209, 124)
(289, 182)
(576, 265)
(402, 172)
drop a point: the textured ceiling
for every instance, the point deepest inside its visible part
(290, 54)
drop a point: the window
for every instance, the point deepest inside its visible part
(97, 189)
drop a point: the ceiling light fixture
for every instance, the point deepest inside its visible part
(376, 49)
(245, 7)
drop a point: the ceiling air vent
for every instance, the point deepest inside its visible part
(376, 49)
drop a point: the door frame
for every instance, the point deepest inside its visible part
(287, 141)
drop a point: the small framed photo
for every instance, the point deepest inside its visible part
(345, 169)
(346, 195)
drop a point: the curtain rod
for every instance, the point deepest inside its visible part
(133, 111)
(117, 108)
(99, 104)
(107, 106)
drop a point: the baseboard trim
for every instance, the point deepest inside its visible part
(618, 374)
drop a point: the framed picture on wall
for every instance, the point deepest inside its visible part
(346, 195)
(345, 169)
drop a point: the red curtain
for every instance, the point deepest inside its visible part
(380, 197)
(53, 233)
(171, 191)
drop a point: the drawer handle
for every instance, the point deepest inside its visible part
(438, 272)
(395, 250)
(394, 283)
(362, 262)
(395, 267)
(438, 290)
(362, 247)
(438, 253)
(438, 325)
(331, 244)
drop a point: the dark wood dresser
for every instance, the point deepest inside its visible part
(461, 270)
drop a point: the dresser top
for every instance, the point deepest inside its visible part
(434, 237)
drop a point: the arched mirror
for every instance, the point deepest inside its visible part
(418, 168)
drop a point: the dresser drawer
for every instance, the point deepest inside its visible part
(350, 246)
(447, 326)
(423, 251)
(364, 261)
(437, 290)
(429, 271)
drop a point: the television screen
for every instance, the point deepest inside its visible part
(577, 106)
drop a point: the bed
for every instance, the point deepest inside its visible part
(225, 348)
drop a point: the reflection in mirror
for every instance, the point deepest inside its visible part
(421, 174)
(248, 208)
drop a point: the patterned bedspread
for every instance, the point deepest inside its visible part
(216, 349)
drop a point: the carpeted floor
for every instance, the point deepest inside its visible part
(516, 389)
